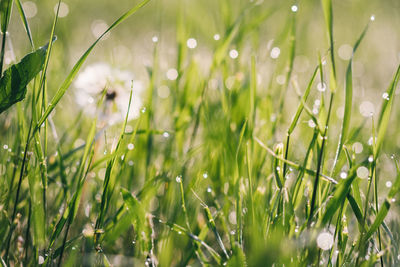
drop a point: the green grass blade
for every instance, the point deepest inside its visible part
(342, 189)
(25, 22)
(384, 116)
(301, 104)
(348, 100)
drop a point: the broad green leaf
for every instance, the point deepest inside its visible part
(15, 79)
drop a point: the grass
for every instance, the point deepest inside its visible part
(237, 158)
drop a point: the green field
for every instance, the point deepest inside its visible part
(199, 133)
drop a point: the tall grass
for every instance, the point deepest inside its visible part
(239, 166)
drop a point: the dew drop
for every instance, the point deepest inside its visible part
(325, 240)
(178, 178)
(41, 260)
(357, 147)
(311, 124)
(205, 175)
(321, 87)
(172, 74)
(233, 53)
(370, 158)
(275, 52)
(367, 108)
(294, 8)
(343, 175)
(154, 39)
(209, 190)
(165, 134)
(388, 184)
(362, 172)
(30, 9)
(131, 146)
(217, 37)
(191, 43)
(385, 96)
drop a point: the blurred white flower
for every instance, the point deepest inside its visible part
(96, 78)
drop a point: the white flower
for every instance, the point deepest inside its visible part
(96, 78)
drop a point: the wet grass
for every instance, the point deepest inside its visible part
(244, 164)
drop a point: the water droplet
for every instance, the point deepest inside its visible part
(178, 178)
(357, 147)
(165, 134)
(372, 18)
(172, 74)
(217, 37)
(163, 91)
(321, 87)
(294, 8)
(41, 260)
(393, 200)
(209, 190)
(205, 175)
(191, 43)
(345, 51)
(311, 124)
(233, 53)
(98, 27)
(343, 175)
(362, 172)
(5, 147)
(367, 109)
(385, 96)
(281, 79)
(130, 163)
(371, 141)
(30, 9)
(131, 146)
(143, 110)
(325, 240)
(275, 52)
(388, 184)
(63, 11)
(154, 39)
(371, 158)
